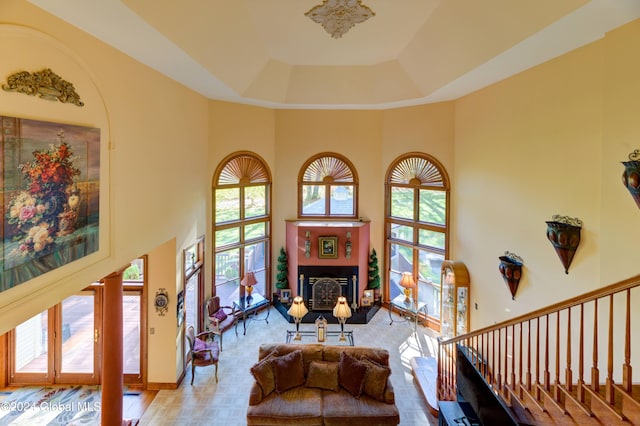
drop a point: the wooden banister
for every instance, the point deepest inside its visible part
(541, 333)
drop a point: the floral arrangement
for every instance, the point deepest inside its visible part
(42, 212)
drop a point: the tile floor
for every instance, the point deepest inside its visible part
(225, 403)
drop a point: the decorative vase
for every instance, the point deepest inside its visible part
(511, 270)
(564, 234)
(631, 175)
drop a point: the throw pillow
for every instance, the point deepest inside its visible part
(375, 381)
(323, 375)
(351, 374)
(288, 371)
(220, 315)
(263, 373)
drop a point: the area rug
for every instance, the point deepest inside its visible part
(65, 405)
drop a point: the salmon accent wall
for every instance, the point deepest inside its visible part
(297, 236)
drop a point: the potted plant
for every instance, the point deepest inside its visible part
(282, 278)
(374, 275)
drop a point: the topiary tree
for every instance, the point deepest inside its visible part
(282, 279)
(374, 271)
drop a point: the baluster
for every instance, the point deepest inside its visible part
(595, 373)
(528, 375)
(568, 374)
(513, 356)
(538, 358)
(547, 374)
(499, 376)
(609, 393)
(580, 389)
(493, 357)
(483, 353)
(626, 367)
(556, 387)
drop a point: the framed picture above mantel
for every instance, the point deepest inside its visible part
(328, 247)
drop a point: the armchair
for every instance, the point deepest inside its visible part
(202, 353)
(221, 318)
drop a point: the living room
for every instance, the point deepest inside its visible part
(547, 140)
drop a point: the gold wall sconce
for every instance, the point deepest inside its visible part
(511, 270)
(564, 234)
(348, 246)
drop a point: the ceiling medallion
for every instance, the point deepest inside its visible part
(339, 16)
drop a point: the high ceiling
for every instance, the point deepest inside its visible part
(267, 52)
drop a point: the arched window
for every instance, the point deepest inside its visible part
(328, 187)
(417, 227)
(241, 225)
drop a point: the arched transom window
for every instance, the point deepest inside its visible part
(242, 224)
(417, 227)
(328, 187)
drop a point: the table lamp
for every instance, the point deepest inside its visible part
(248, 282)
(297, 311)
(342, 311)
(407, 282)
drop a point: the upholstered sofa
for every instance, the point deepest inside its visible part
(308, 385)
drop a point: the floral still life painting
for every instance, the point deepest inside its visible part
(50, 185)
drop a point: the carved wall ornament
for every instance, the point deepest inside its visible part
(511, 270)
(564, 234)
(339, 16)
(46, 84)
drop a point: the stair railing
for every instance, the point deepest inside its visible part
(532, 358)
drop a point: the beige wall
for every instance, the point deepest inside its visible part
(155, 179)
(543, 142)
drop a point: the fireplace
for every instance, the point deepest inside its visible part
(320, 286)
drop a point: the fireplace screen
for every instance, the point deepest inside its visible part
(325, 293)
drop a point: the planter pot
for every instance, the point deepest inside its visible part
(565, 238)
(511, 271)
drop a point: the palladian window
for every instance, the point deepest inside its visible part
(242, 224)
(417, 227)
(328, 187)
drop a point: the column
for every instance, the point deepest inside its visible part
(112, 362)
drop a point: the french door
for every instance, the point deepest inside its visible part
(59, 345)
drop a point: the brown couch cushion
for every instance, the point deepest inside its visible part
(381, 356)
(375, 381)
(310, 352)
(263, 373)
(340, 408)
(351, 374)
(300, 406)
(323, 375)
(288, 371)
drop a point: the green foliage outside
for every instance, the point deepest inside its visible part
(132, 273)
(282, 278)
(374, 270)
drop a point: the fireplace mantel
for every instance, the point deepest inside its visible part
(306, 233)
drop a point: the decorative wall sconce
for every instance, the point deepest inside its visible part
(631, 175)
(307, 245)
(511, 270)
(348, 246)
(564, 234)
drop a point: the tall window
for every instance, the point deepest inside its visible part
(417, 226)
(242, 224)
(328, 187)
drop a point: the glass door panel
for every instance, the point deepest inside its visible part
(131, 332)
(31, 345)
(77, 339)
